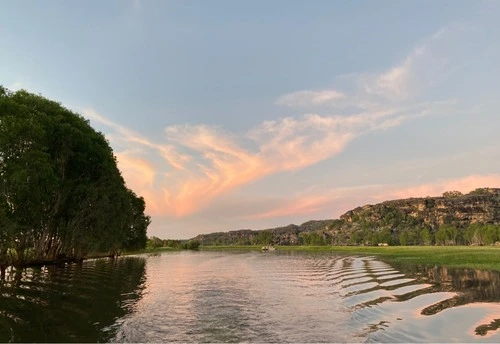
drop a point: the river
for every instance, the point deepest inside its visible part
(249, 297)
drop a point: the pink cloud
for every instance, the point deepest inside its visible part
(198, 163)
(195, 164)
(310, 98)
(301, 206)
(463, 184)
(334, 202)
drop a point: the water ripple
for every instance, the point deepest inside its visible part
(249, 297)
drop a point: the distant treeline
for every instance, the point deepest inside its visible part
(446, 235)
(474, 234)
(155, 242)
(62, 196)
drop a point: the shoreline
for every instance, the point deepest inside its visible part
(470, 257)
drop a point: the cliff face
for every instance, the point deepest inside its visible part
(381, 222)
(480, 206)
(288, 235)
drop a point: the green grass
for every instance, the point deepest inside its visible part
(474, 257)
(150, 250)
(233, 248)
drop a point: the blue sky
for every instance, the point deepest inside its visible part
(252, 114)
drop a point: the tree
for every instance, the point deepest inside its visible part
(61, 193)
(447, 235)
(469, 234)
(191, 245)
(356, 237)
(404, 238)
(452, 194)
(491, 234)
(383, 236)
(441, 236)
(426, 236)
(154, 242)
(264, 237)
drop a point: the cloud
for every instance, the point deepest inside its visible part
(462, 184)
(197, 163)
(331, 203)
(425, 65)
(194, 165)
(124, 137)
(302, 205)
(310, 98)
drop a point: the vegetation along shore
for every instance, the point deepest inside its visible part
(473, 257)
(62, 197)
(453, 230)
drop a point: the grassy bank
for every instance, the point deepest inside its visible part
(474, 257)
(151, 250)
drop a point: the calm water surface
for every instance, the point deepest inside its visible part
(249, 297)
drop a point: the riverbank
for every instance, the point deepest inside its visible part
(150, 250)
(473, 257)
(71, 260)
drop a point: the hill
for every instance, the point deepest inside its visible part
(450, 219)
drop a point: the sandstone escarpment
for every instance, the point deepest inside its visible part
(402, 221)
(479, 206)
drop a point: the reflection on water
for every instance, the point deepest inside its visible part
(250, 297)
(430, 305)
(74, 303)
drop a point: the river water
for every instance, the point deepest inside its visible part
(249, 297)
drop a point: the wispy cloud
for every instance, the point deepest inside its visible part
(427, 62)
(462, 184)
(125, 137)
(195, 164)
(307, 98)
(301, 206)
(424, 65)
(333, 202)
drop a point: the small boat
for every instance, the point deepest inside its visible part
(268, 248)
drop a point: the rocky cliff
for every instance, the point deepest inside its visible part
(479, 206)
(404, 221)
(287, 235)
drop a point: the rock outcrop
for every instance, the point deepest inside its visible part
(479, 206)
(383, 222)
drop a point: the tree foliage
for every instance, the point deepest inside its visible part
(61, 193)
(452, 194)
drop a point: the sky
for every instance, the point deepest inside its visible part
(254, 114)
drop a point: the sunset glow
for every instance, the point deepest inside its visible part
(224, 117)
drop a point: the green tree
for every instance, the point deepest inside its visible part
(404, 238)
(447, 235)
(452, 194)
(154, 242)
(426, 237)
(356, 237)
(263, 237)
(61, 193)
(317, 239)
(490, 234)
(191, 245)
(441, 236)
(469, 234)
(383, 236)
